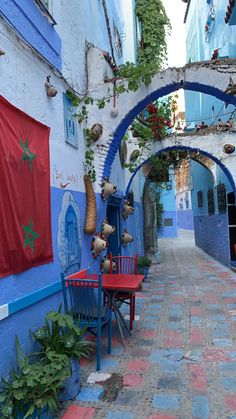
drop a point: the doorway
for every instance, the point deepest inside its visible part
(113, 216)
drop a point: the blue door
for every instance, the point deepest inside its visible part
(113, 216)
(73, 251)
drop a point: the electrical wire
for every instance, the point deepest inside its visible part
(26, 45)
(69, 82)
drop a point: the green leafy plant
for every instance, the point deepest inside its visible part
(155, 26)
(144, 262)
(33, 387)
(63, 336)
(89, 156)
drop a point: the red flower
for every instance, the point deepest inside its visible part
(151, 108)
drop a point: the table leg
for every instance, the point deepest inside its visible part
(119, 326)
(122, 318)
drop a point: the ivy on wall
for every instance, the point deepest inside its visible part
(152, 54)
(154, 25)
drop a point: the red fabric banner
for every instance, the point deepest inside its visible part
(25, 212)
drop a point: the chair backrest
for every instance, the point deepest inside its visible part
(83, 296)
(124, 264)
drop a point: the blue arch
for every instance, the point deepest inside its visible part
(126, 122)
(181, 147)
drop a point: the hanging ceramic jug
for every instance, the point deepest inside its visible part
(126, 238)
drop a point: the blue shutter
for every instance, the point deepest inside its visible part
(70, 122)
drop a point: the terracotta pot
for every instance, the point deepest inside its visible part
(108, 189)
(126, 238)
(127, 210)
(107, 229)
(98, 245)
(96, 132)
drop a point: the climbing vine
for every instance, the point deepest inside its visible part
(154, 26)
(151, 53)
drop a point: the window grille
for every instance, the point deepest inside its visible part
(221, 198)
(200, 199)
(210, 202)
(168, 222)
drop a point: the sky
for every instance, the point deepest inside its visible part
(175, 10)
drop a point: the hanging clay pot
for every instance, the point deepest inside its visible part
(108, 189)
(50, 89)
(229, 148)
(134, 155)
(105, 265)
(107, 229)
(98, 245)
(96, 132)
(127, 210)
(126, 238)
(123, 152)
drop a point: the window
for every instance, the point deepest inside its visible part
(168, 222)
(70, 122)
(199, 199)
(221, 198)
(46, 7)
(210, 202)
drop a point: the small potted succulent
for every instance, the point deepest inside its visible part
(62, 334)
(144, 264)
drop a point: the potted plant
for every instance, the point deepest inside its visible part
(143, 265)
(32, 389)
(62, 335)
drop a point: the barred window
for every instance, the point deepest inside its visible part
(210, 202)
(199, 199)
(221, 198)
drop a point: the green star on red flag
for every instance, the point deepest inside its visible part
(30, 235)
(27, 155)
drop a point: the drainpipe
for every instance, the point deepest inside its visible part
(108, 28)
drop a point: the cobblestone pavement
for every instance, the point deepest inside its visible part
(180, 362)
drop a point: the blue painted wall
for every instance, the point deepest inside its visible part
(211, 231)
(169, 231)
(34, 27)
(211, 235)
(200, 48)
(168, 202)
(185, 219)
(93, 17)
(15, 287)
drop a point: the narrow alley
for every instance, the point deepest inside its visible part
(181, 360)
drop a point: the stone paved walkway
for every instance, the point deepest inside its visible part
(180, 362)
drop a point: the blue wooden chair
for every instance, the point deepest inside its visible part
(83, 297)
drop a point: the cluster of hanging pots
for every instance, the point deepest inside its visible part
(99, 240)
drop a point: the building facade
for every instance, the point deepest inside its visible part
(48, 46)
(210, 35)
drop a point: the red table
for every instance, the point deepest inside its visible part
(114, 283)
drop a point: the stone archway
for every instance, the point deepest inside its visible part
(189, 147)
(211, 77)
